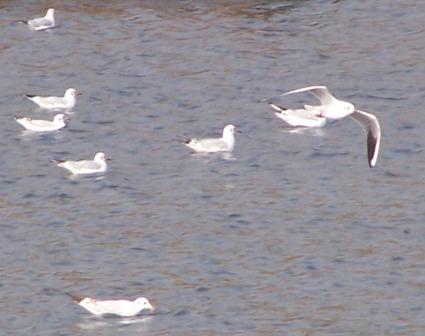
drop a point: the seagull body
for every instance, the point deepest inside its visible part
(42, 125)
(332, 108)
(124, 308)
(224, 144)
(42, 23)
(67, 102)
(306, 117)
(84, 167)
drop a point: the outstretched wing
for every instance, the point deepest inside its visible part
(320, 92)
(373, 131)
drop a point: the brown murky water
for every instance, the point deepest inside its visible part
(291, 235)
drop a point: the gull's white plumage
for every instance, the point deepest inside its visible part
(373, 132)
(84, 167)
(300, 117)
(224, 144)
(123, 308)
(333, 108)
(67, 102)
(330, 108)
(42, 125)
(42, 23)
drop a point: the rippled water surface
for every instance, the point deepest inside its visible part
(293, 234)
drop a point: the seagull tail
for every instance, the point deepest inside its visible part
(183, 140)
(74, 297)
(22, 21)
(56, 161)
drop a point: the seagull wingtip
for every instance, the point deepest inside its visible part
(372, 162)
(277, 108)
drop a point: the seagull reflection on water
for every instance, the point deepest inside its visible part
(96, 322)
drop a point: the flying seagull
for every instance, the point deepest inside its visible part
(333, 109)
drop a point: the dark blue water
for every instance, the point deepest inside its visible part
(291, 235)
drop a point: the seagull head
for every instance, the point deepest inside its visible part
(50, 12)
(100, 157)
(337, 110)
(144, 303)
(59, 118)
(70, 92)
(86, 301)
(228, 130)
(348, 108)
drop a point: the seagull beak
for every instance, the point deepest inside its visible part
(238, 130)
(79, 93)
(151, 307)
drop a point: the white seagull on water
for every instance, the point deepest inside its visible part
(332, 108)
(42, 125)
(67, 102)
(123, 308)
(84, 167)
(224, 144)
(42, 23)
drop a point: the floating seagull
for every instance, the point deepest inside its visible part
(42, 125)
(84, 167)
(332, 108)
(42, 23)
(299, 117)
(67, 102)
(224, 144)
(124, 308)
